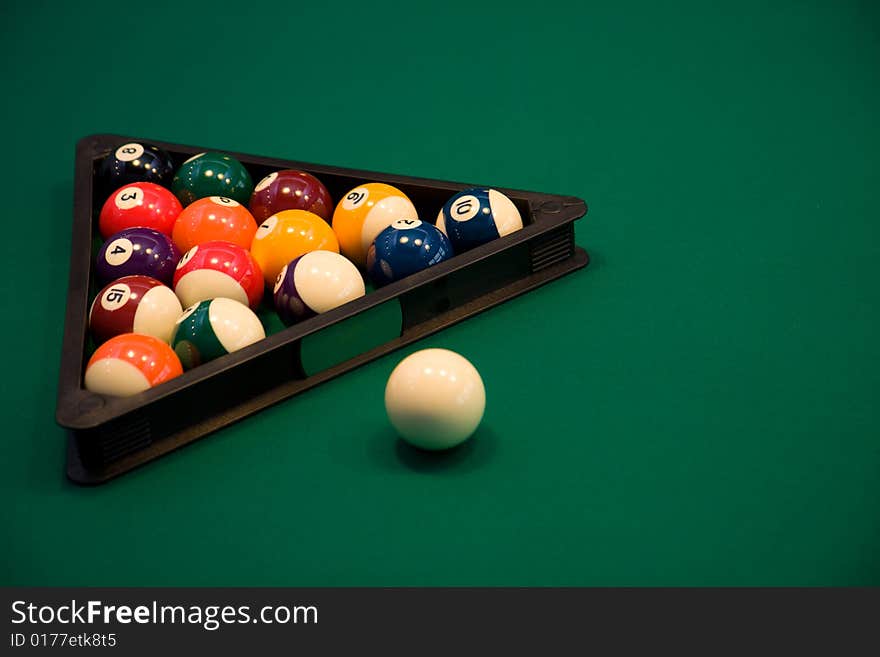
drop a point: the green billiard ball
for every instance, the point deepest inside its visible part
(213, 328)
(212, 174)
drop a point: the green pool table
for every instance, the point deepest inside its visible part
(699, 406)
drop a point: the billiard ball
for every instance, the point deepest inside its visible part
(213, 328)
(218, 269)
(131, 363)
(435, 399)
(212, 174)
(139, 204)
(214, 218)
(135, 162)
(407, 246)
(137, 251)
(476, 216)
(290, 190)
(363, 213)
(315, 283)
(286, 236)
(134, 304)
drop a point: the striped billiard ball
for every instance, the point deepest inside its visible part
(315, 283)
(214, 328)
(134, 304)
(476, 216)
(218, 269)
(130, 363)
(363, 213)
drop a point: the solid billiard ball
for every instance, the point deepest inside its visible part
(134, 304)
(135, 162)
(214, 328)
(363, 213)
(214, 218)
(435, 399)
(212, 174)
(315, 283)
(286, 236)
(476, 216)
(218, 269)
(290, 190)
(131, 363)
(137, 251)
(407, 246)
(139, 204)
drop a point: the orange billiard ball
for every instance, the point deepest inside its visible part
(287, 235)
(131, 363)
(211, 219)
(366, 211)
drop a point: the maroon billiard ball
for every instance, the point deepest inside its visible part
(134, 304)
(290, 190)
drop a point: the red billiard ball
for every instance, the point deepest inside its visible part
(141, 204)
(134, 304)
(290, 190)
(211, 219)
(131, 363)
(218, 269)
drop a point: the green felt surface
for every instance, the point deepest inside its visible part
(698, 407)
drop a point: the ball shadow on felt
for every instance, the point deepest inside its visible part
(394, 453)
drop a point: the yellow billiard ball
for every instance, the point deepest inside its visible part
(287, 235)
(366, 211)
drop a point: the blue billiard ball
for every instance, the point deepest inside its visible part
(407, 246)
(476, 216)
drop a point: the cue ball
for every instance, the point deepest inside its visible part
(476, 216)
(131, 363)
(435, 399)
(134, 304)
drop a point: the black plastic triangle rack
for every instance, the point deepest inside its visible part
(109, 436)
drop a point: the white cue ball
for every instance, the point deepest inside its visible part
(435, 399)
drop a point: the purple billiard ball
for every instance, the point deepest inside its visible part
(138, 251)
